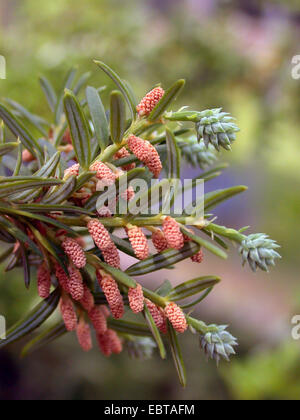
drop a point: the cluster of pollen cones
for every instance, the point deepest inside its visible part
(77, 303)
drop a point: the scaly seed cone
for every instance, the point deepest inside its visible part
(218, 344)
(138, 242)
(259, 251)
(173, 233)
(216, 128)
(197, 154)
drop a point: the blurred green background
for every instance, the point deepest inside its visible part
(235, 54)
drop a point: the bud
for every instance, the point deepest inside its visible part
(139, 147)
(62, 277)
(128, 194)
(98, 320)
(198, 258)
(99, 234)
(84, 335)
(154, 163)
(67, 136)
(136, 299)
(157, 315)
(118, 311)
(73, 170)
(111, 256)
(103, 172)
(81, 242)
(149, 102)
(44, 281)
(146, 153)
(104, 344)
(105, 310)
(74, 252)
(27, 156)
(109, 343)
(164, 328)
(138, 242)
(123, 153)
(172, 233)
(68, 313)
(104, 212)
(87, 302)
(112, 293)
(67, 149)
(75, 284)
(176, 317)
(115, 342)
(186, 238)
(159, 241)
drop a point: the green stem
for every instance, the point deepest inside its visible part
(72, 221)
(109, 152)
(139, 126)
(182, 116)
(200, 325)
(162, 137)
(156, 220)
(155, 298)
(229, 233)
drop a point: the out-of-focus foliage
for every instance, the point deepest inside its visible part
(268, 374)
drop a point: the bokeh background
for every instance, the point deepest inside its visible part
(235, 54)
